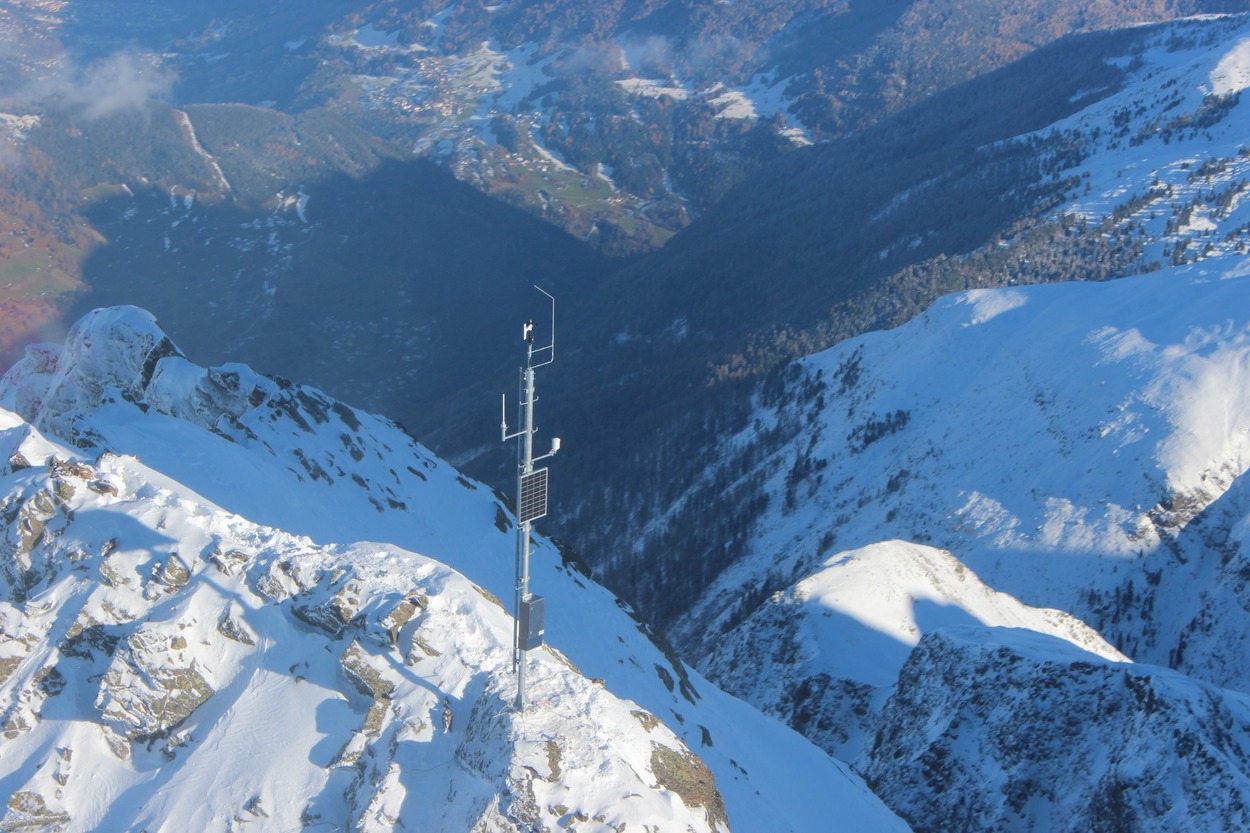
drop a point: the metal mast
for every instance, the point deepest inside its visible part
(531, 500)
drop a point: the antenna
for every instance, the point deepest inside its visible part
(531, 502)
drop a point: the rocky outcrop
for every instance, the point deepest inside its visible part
(108, 353)
(1004, 729)
(340, 686)
(152, 686)
(824, 654)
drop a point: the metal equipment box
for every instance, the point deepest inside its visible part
(531, 623)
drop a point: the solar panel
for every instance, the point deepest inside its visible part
(533, 502)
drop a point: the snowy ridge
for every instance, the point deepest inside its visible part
(825, 654)
(1082, 447)
(156, 643)
(287, 457)
(1013, 730)
(1065, 442)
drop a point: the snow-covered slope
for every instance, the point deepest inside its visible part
(1166, 158)
(1062, 441)
(292, 459)
(170, 665)
(1013, 730)
(1079, 447)
(825, 654)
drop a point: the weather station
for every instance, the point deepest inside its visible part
(529, 611)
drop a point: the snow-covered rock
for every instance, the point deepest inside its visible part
(1001, 729)
(164, 636)
(169, 619)
(109, 353)
(825, 654)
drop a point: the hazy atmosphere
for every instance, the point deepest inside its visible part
(642, 415)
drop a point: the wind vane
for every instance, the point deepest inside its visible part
(528, 626)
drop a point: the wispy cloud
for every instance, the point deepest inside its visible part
(657, 55)
(125, 81)
(589, 57)
(650, 55)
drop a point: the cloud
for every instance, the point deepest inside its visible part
(715, 51)
(125, 81)
(711, 56)
(656, 56)
(589, 57)
(652, 54)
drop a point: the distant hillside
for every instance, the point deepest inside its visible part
(825, 653)
(263, 154)
(618, 121)
(671, 102)
(393, 289)
(830, 242)
(1080, 446)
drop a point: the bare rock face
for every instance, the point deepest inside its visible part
(1003, 729)
(28, 810)
(686, 775)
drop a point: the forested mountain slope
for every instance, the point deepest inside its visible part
(1151, 163)
(1079, 446)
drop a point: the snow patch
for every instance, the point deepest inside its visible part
(1232, 73)
(649, 88)
(989, 304)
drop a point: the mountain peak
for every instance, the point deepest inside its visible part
(108, 352)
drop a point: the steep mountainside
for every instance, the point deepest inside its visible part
(1012, 730)
(825, 654)
(843, 265)
(1079, 446)
(269, 452)
(1083, 447)
(166, 663)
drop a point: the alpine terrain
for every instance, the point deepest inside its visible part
(192, 640)
(903, 377)
(1081, 447)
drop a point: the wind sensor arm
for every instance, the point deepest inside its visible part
(555, 446)
(504, 436)
(503, 425)
(527, 335)
(550, 349)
